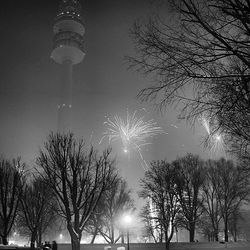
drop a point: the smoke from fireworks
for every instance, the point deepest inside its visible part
(132, 131)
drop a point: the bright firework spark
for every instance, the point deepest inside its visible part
(217, 144)
(133, 131)
(215, 139)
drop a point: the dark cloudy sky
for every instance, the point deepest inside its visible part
(30, 82)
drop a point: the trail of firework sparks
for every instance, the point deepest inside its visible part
(205, 123)
(133, 132)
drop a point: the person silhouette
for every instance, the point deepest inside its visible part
(54, 245)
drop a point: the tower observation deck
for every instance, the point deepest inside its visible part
(68, 50)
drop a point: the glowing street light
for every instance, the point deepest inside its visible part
(127, 219)
(61, 236)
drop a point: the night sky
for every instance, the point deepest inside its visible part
(103, 85)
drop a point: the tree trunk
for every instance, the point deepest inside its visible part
(112, 234)
(167, 245)
(226, 231)
(32, 245)
(167, 242)
(32, 240)
(75, 237)
(234, 231)
(122, 237)
(216, 235)
(4, 240)
(235, 236)
(75, 244)
(39, 238)
(161, 235)
(191, 231)
(176, 233)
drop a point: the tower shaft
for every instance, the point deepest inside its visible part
(65, 106)
(67, 50)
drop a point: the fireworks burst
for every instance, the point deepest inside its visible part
(133, 131)
(215, 140)
(217, 144)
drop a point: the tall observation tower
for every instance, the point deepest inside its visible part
(67, 50)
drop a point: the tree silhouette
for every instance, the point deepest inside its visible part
(37, 211)
(11, 182)
(189, 179)
(78, 176)
(224, 191)
(152, 228)
(232, 189)
(200, 60)
(158, 185)
(210, 198)
(116, 201)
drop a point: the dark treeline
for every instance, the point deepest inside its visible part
(193, 194)
(196, 55)
(75, 187)
(72, 186)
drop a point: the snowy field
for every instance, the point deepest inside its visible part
(150, 246)
(173, 246)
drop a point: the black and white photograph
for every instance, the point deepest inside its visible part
(125, 124)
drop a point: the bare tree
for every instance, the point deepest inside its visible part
(210, 198)
(11, 182)
(37, 211)
(189, 179)
(95, 222)
(152, 228)
(232, 189)
(105, 221)
(78, 177)
(158, 185)
(201, 61)
(205, 227)
(234, 224)
(117, 200)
